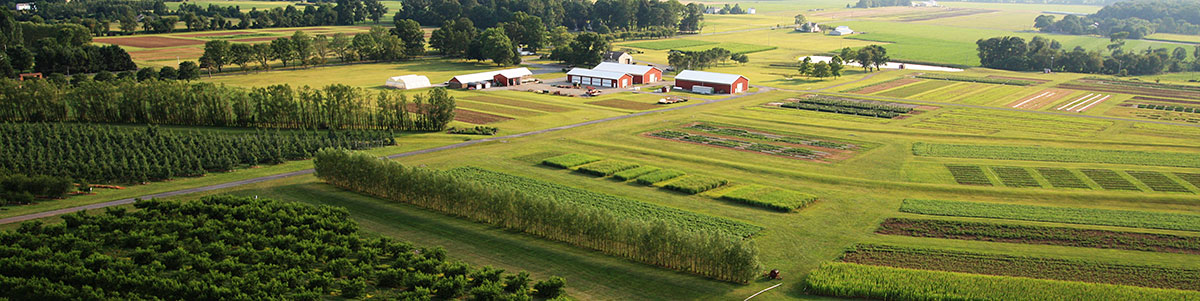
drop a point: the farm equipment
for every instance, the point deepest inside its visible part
(774, 275)
(671, 100)
(592, 92)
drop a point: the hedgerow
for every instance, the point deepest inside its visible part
(777, 199)
(693, 184)
(569, 160)
(1087, 216)
(606, 168)
(659, 176)
(630, 174)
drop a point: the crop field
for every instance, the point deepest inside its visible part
(502, 110)
(915, 89)
(1015, 176)
(1062, 178)
(849, 106)
(1157, 181)
(1023, 266)
(1069, 215)
(742, 145)
(875, 282)
(693, 184)
(606, 168)
(569, 160)
(893, 83)
(1042, 235)
(975, 122)
(1110, 179)
(624, 104)
(977, 79)
(731, 46)
(991, 95)
(1040, 99)
(168, 49)
(969, 175)
(659, 176)
(1055, 154)
(519, 103)
(634, 173)
(669, 44)
(1191, 178)
(777, 199)
(764, 135)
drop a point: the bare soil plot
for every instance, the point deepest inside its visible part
(149, 42)
(883, 86)
(520, 103)
(1040, 99)
(214, 34)
(474, 117)
(624, 104)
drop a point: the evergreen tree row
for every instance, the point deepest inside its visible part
(706, 253)
(236, 248)
(118, 154)
(205, 104)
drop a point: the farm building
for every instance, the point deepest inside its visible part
(809, 27)
(589, 77)
(711, 82)
(481, 80)
(751, 11)
(411, 81)
(619, 57)
(841, 31)
(26, 6)
(641, 74)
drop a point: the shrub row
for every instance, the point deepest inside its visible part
(1110, 180)
(1069, 215)
(569, 160)
(537, 211)
(659, 176)
(693, 184)
(778, 199)
(1042, 235)
(633, 173)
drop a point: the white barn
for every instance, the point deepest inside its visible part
(841, 31)
(411, 81)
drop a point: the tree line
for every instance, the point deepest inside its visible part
(709, 254)
(58, 48)
(1013, 53)
(822, 69)
(1136, 18)
(699, 60)
(869, 58)
(302, 49)
(19, 189)
(152, 16)
(602, 16)
(205, 104)
(227, 247)
(90, 153)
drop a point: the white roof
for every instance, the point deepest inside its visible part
(488, 75)
(595, 73)
(411, 81)
(624, 68)
(707, 77)
(409, 78)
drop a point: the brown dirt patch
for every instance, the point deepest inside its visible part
(884, 86)
(166, 53)
(1039, 81)
(520, 103)
(149, 42)
(214, 34)
(624, 104)
(1040, 99)
(474, 117)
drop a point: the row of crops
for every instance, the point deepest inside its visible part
(770, 149)
(778, 199)
(1172, 108)
(1149, 276)
(848, 106)
(1067, 215)
(887, 283)
(1056, 177)
(1042, 235)
(978, 79)
(773, 137)
(709, 246)
(1056, 154)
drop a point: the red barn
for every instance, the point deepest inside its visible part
(589, 77)
(641, 74)
(721, 83)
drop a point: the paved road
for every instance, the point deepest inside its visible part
(21, 218)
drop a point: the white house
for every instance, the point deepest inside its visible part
(619, 57)
(809, 27)
(406, 82)
(751, 11)
(25, 6)
(841, 31)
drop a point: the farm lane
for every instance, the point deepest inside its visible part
(33, 216)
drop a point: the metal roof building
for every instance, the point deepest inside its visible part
(591, 77)
(462, 81)
(641, 73)
(719, 82)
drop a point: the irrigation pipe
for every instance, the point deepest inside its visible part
(762, 291)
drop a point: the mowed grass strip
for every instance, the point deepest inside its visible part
(915, 89)
(668, 44)
(843, 279)
(1157, 181)
(1056, 154)
(1062, 178)
(498, 109)
(693, 184)
(971, 121)
(659, 176)
(569, 160)
(520, 103)
(624, 104)
(1024, 266)
(1041, 235)
(880, 86)
(1015, 176)
(1109, 179)
(1067, 215)
(969, 175)
(606, 167)
(630, 174)
(778, 199)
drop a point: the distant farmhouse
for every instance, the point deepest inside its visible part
(841, 31)
(930, 3)
(25, 6)
(809, 27)
(619, 57)
(751, 11)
